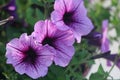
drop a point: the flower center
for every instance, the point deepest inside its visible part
(68, 18)
(30, 56)
(48, 41)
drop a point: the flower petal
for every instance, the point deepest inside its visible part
(61, 26)
(24, 40)
(65, 37)
(36, 71)
(20, 68)
(63, 54)
(66, 5)
(81, 28)
(16, 44)
(80, 12)
(57, 19)
(72, 5)
(105, 41)
(46, 55)
(105, 46)
(56, 16)
(39, 30)
(60, 5)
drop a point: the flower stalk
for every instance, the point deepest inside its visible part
(2, 22)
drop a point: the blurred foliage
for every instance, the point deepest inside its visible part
(31, 11)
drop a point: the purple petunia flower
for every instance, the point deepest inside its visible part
(104, 41)
(11, 8)
(100, 39)
(71, 14)
(46, 33)
(28, 57)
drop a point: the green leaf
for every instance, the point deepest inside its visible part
(99, 75)
(100, 70)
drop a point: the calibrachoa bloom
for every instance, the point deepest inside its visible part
(11, 8)
(28, 57)
(71, 14)
(46, 33)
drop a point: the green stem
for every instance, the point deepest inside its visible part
(115, 61)
(87, 59)
(46, 8)
(81, 62)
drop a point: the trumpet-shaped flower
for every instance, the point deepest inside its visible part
(28, 57)
(71, 14)
(104, 41)
(46, 33)
(100, 39)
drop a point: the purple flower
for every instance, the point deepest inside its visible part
(71, 14)
(28, 57)
(104, 41)
(94, 38)
(46, 33)
(100, 39)
(11, 8)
